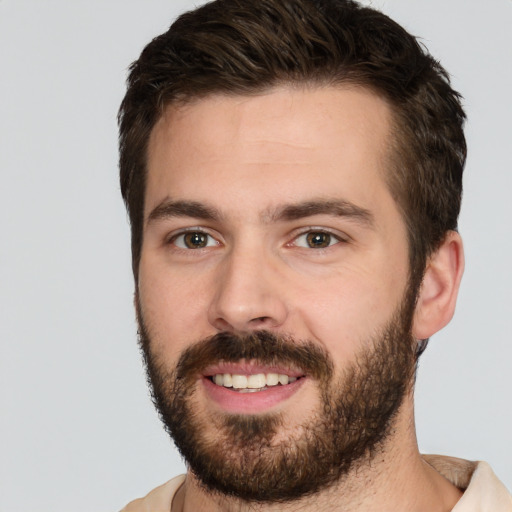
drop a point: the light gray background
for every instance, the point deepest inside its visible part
(77, 430)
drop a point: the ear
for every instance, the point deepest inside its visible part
(439, 288)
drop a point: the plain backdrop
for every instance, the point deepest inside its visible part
(77, 429)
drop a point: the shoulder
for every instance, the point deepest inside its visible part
(486, 491)
(158, 500)
(483, 491)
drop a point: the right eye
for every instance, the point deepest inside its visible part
(194, 240)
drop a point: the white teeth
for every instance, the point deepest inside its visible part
(248, 383)
(228, 380)
(239, 381)
(256, 381)
(272, 379)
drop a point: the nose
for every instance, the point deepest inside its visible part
(249, 293)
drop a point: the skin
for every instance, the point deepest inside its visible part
(247, 158)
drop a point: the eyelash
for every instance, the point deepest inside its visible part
(293, 243)
(191, 231)
(338, 238)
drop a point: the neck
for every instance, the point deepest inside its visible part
(394, 479)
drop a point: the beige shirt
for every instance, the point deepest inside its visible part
(483, 492)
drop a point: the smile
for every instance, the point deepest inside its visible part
(252, 383)
(250, 387)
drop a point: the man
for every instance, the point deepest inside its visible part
(293, 174)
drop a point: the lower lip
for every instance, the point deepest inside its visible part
(253, 402)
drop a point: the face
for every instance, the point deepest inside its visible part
(272, 295)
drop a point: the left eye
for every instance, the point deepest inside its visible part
(316, 240)
(194, 240)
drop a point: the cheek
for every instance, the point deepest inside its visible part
(173, 308)
(345, 311)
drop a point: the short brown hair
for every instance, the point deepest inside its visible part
(245, 47)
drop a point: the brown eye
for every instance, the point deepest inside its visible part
(318, 240)
(194, 240)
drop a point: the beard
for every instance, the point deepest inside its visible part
(259, 458)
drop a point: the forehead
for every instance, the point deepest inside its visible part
(292, 142)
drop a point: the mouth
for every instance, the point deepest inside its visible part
(249, 388)
(252, 383)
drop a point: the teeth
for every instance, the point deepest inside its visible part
(228, 380)
(239, 381)
(248, 383)
(272, 379)
(256, 381)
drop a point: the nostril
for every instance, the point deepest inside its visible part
(222, 325)
(260, 320)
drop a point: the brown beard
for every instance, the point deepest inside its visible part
(244, 456)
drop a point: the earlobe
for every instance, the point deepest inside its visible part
(439, 288)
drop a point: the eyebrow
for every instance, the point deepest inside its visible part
(294, 211)
(168, 209)
(335, 207)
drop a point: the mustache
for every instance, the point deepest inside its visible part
(265, 347)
